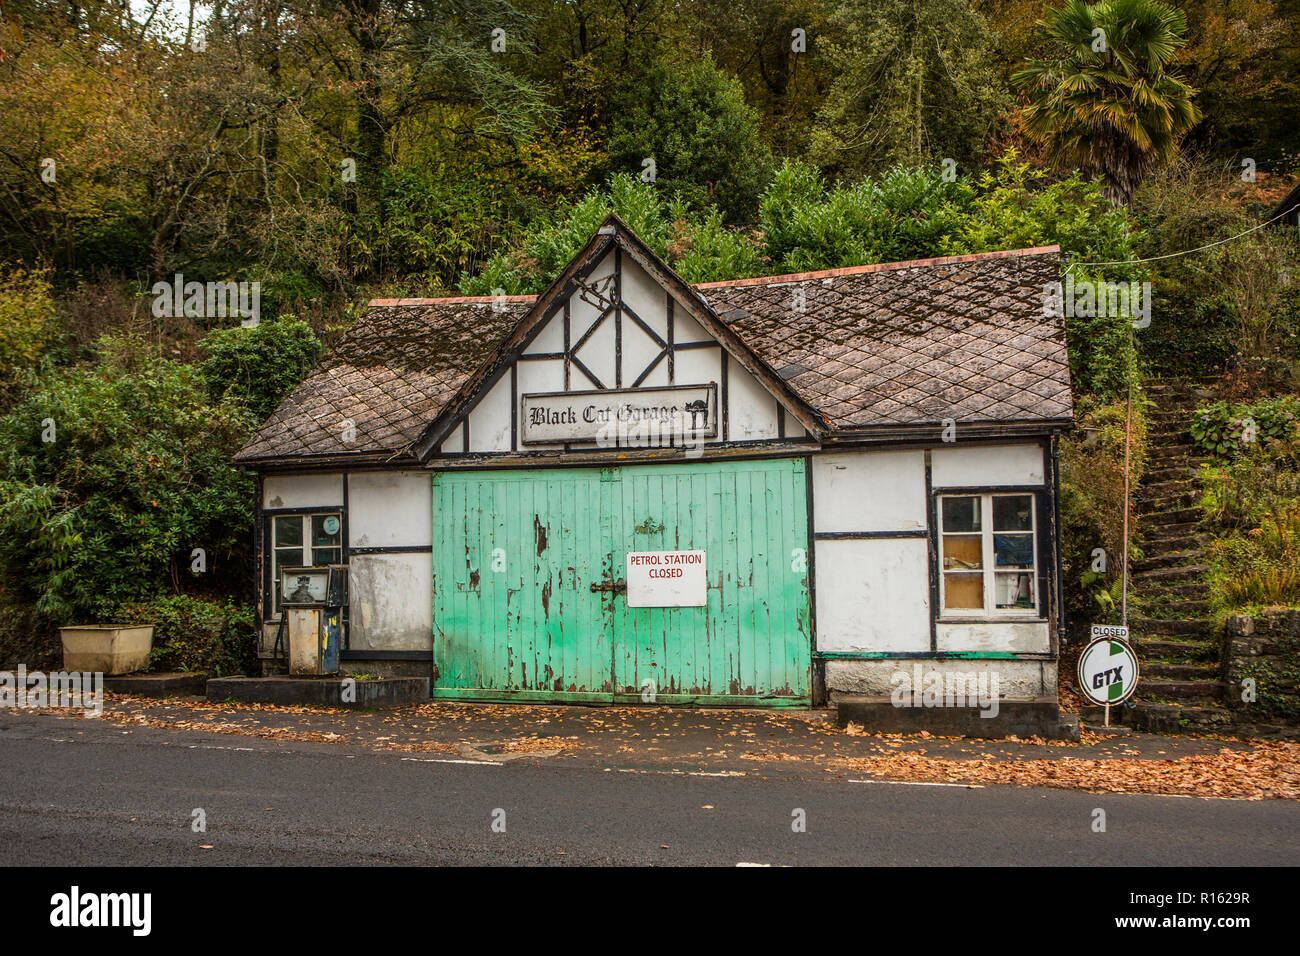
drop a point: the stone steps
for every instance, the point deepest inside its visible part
(1158, 516)
(1184, 627)
(1174, 543)
(1165, 489)
(1173, 652)
(1169, 559)
(1190, 572)
(1181, 689)
(1152, 591)
(1163, 452)
(1169, 502)
(1175, 609)
(1168, 718)
(1166, 671)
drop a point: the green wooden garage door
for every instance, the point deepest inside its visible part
(516, 554)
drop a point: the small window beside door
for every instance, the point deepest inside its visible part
(988, 553)
(314, 540)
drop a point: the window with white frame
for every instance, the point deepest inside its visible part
(313, 540)
(988, 553)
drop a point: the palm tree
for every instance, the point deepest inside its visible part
(1107, 103)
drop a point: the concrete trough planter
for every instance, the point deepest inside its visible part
(106, 649)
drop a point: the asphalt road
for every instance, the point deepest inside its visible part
(90, 793)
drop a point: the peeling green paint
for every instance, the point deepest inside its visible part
(535, 630)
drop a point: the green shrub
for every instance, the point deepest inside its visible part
(1092, 507)
(26, 314)
(258, 366)
(111, 474)
(1226, 430)
(1279, 586)
(693, 122)
(197, 634)
(1242, 492)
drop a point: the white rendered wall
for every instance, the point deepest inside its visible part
(389, 509)
(873, 595)
(958, 466)
(302, 491)
(391, 602)
(869, 491)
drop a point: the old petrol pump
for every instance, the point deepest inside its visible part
(313, 600)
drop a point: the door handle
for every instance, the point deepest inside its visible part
(612, 586)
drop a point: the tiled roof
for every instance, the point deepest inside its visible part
(912, 343)
(896, 344)
(391, 374)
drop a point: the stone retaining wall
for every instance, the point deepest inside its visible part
(1265, 649)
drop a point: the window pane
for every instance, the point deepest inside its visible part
(1013, 550)
(1013, 590)
(962, 551)
(1013, 513)
(323, 556)
(961, 514)
(288, 531)
(963, 591)
(325, 530)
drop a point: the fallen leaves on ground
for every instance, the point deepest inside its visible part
(1264, 770)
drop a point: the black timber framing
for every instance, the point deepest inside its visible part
(817, 681)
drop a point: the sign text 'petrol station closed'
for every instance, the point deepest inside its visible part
(666, 579)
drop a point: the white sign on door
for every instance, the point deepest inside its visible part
(666, 579)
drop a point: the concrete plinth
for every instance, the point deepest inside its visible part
(321, 691)
(158, 685)
(1021, 718)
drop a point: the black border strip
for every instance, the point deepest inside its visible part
(395, 549)
(600, 386)
(672, 363)
(514, 409)
(314, 510)
(817, 691)
(870, 535)
(991, 489)
(386, 656)
(932, 535)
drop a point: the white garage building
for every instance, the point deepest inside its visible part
(864, 459)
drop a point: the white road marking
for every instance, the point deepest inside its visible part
(472, 763)
(924, 783)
